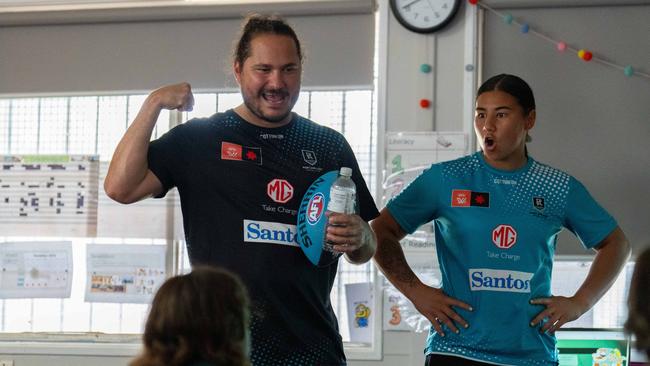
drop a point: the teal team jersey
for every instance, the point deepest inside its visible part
(496, 233)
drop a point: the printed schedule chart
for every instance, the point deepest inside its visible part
(55, 193)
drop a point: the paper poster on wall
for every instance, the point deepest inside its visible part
(124, 273)
(406, 150)
(35, 270)
(53, 195)
(396, 182)
(360, 311)
(399, 312)
(396, 306)
(408, 154)
(420, 241)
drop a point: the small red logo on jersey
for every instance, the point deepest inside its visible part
(480, 200)
(279, 190)
(504, 236)
(461, 198)
(251, 155)
(230, 151)
(467, 198)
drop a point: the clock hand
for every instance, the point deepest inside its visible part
(411, 3)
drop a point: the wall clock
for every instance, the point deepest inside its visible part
(424, 16)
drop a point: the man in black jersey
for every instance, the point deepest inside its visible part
(241, 175)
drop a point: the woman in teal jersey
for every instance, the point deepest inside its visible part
(496, 215)
(197, 319)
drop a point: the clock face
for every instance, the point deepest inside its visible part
(424, 16)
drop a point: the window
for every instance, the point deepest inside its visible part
(94, 125)
(610, 311)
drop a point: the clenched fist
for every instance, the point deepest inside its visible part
(176, 96)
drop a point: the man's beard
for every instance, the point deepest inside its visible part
(258, 111)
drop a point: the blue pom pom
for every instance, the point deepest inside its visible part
(524, 28)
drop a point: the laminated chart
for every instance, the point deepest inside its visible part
(124, 273)
(35, 270)
(409, 153)
(48, 195)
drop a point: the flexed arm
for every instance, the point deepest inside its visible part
(129, 179)
(431, 302)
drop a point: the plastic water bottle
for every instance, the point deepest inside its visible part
(343, 195)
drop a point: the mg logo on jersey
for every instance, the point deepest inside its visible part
(315, 208)
(504, 236)
(279, 190)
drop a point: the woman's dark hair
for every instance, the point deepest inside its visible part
(638, 303)
(200, 316)
(256, 24)
(512, 85)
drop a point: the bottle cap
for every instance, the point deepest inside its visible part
(346, 172)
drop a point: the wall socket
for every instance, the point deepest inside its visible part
(6, 363)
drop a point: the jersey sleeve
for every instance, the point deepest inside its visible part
(589, 221)
(166, 157)
(367, 207)
(417, 204)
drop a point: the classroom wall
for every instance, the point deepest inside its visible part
(589, 112)
(405, 86)
(592, 121)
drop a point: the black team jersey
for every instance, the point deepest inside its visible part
(240, 187)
